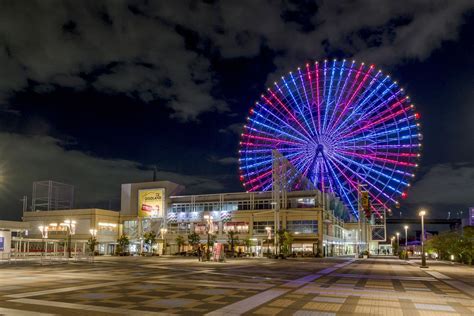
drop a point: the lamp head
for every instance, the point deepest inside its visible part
(406, 227)
(398, 234)
(422, 213)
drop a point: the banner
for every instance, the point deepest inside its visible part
(2, 243)
(365, 203)
(151, 202)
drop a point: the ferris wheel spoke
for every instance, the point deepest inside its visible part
(295, 102)
(364, 181)
(373, 169)
(352, 93)
(379, 121)
(284, 123)
(360, 105)
(309, 103)
(374, 180)
(355, 186)
(318, 102)
(376, 158)
(343, 189)
(288, 111)
(371, 109)
(337, 93)
(372, 113)
(301, 110)
(329, 94)
(271, 128)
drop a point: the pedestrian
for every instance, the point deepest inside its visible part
(199, 253)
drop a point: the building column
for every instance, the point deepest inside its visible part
(320, 232)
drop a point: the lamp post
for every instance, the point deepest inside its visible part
(44, 235)
(423, 257)
(398, 239)
(93, 242)
(391, 243)
(71, 230)
(209, 231)
(406, 237)
(163, 232)
(269, 237)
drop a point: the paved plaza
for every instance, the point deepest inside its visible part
(161, 286)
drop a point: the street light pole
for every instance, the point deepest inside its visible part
(209, 230)
(406, 237)
(44, 235)
(398, 239)
(163, 234)
(71, 230)
(269, 236)
(423, 257)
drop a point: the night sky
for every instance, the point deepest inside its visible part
(96, 93)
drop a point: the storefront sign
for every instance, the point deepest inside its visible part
(151, 202)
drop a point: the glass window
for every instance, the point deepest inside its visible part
(259, 227)
(302, 227)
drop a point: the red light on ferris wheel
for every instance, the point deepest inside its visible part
(417, 116)
(404, 195)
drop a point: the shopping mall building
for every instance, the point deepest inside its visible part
(313, 219)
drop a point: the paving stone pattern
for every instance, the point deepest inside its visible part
(184, 286)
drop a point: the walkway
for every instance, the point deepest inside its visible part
(163, 286)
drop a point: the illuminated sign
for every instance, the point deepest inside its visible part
(151, 202)
(2, 243)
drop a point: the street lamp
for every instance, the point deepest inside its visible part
(44, 235)
(406, 237)
(391, 243)
(209, 231)
(71, 230)
(398, 239)
(269, 237)
(163, 232)
(423, 257)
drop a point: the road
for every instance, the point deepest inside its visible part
(164, 286)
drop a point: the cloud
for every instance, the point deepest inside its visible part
(115, 48)
(225, 160)
(136, 49)
(235, 128)
(445, 184)
(26, 159)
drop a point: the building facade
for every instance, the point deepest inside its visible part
(313, 219)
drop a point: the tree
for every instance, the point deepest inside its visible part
(122, 244)
(453, 244)
(466, 245)
(149, 238)
(281, 239)
(287, 242)
(247, 243)
(180, 242)
(92, 242)
(194, 239)
(231, 239)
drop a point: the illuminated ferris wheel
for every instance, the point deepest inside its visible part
(342, 125)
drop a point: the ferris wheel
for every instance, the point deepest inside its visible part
(342, 125)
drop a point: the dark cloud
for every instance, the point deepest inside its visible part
(225, 160)
(445, 184)
(97, 180)
(61, 44)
